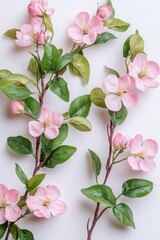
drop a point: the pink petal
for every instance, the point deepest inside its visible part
(153, 68)
(2, 216)
(111, 84)
(12, 213)
(82, 19)
(58, 208)
(51, 132)
(12, 196)
(150, 147)
(53, 192)
(35, 128)
(113, 102)
(26, 29)
(3, 190)
(150, 83)
(45, 114)
(42, 212)
(134, 163)
(76, 34)
(126, 83)
(24, 41)
(130, 99)
(140, 60)
(140, 84)
(41, 192)
(147, 165)
(50, 11)
(34, 202)
(96, 25)
(136, 143)
(89, 38)
(56, 119)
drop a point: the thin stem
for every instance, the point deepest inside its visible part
(93, 222)
(120, 160)
(8, 231)
(101, 213)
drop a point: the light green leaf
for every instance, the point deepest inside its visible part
(112, 71)
(80, 106)
(20, 145)
(35, 181)
(136, 43)
(3, 228)
(96, 163)
(20, 78)
(11, 33)
(117, 25)
(118, 117)
(97, 97)
(48, 23)
(136, 188)
(21, 175)
(32, 107)
(104, 37)
(15, 91)
(4, 73)
(101, 194)
(81, 124)
(80, 67)
(124, 214)
(60, 88)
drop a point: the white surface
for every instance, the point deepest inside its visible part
(76, 173)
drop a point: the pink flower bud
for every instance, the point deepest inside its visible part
(16, 106)
(104, 12)
(41, 37)
(120, 141)
(36, 8)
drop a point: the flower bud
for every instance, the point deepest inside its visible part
(36, 8)
(41, 37)
(16, 106)
(104, 12)
(120, 141)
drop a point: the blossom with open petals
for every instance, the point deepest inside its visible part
(85, 29)
(120, 141)
(48, 123)
(104, 12)
(45, 203)
(142, 154)
(144, 72)
(9, 211)
(119, 90)
(36, 8)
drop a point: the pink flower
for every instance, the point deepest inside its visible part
(144, 72)
(49, 123)
(119, 92)
(16, 106)
(104, 12)
(85, 29)
(9, 211)
(41, 37)
(36, 8)
(143, 154)
(45, 203)
(120, 141)
(24, 37)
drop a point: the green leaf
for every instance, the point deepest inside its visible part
(97, 97)
(15, 231)
(21, 175)
(117, 25)
(4, 73)
(101, 194)
(112, 71)
(81, 124)
(136, 188)
(60, 88)
(20, 145)
(11, 33)
(126, 48)
(32, 107)
(118, 117)
(25, 234)
(51, 59)
(60, 155)
(109, 3)
(16, 91)
(3, 228)
(96, 163)
(35, 181)
(80, 106)
(136, 43)
(18, 78)
(124, 214)
(34, 67)
(80, 67)
(48, 23)
(104, 37)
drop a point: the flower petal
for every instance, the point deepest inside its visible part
(12, 196)
(140, 60)
(56, 119)
(42, 212)
(82, 19)
(26, 29)
(126, 83)
(12, 213)
(3, 191)
(136, 144)
(35, 128)
(76, 34)
(34, 202)
(140, 84)
(153, 69)
(96, 25)
(89, 38)
(150, 147)
(130, 99)
(58, 208)
(52, 192)
(134, 163)
(111, 84)
(113, 102)
(45, 114)
(2, 216)
(147, 165)
(51, 132)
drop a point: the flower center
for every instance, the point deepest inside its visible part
(47, 202)
(139, 155)
(47, 122)
(85, 30)
(143, 73)
(3, 203)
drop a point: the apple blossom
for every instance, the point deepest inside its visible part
(16, 106)
(85, 30)
(142, 154)
(144, 72)
(45, 203)
(119, 90)
(120, 141)
(36, 8)
(104, 12)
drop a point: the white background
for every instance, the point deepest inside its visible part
(76, 173)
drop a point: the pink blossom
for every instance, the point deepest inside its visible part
(16, 106)
(48, 123)
(24, 36)
(36, 8)
(9, 211)
(104, 12)
(119, 90)
(41, 37)
(142, 154)
(144, 72)
(85, 30)
(45, 203)
(120, 141)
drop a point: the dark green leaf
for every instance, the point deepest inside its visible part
(15, 231)
(11, 33)
(81, 124)
(80, 106)
(21, 175)
(48, 23)
(32, 107)
(34, 67)
(96, 163)
(60, 155)
(35, 181)
(97, 97)
(117, 25)
(136, 188)
(104, 37)
(20, 145)
(109, 3)
(16, 91)
(25, 234)
(60, 88)
(3, 228)
(51, 59)
(124, 214)
(126, 48)
(118, 117)
(112, 71)
(101, 194)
